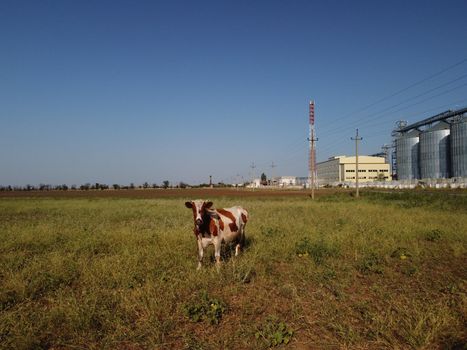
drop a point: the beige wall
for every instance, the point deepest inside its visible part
(343, 169)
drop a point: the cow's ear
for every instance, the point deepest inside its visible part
(208, 205)
(189, 205)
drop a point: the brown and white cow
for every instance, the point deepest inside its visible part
(215, 226)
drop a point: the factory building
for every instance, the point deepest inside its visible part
(340, 169)
(434, 148)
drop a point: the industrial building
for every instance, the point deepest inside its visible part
(434, 148)
(283, 181)
(339, 169)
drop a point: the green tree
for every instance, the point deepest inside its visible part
(264, 179)
(165, 184)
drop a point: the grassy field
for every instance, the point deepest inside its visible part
(382, 272)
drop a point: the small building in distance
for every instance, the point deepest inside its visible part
(282, 182)
(286, 181)
(290, 181)
(340, 169)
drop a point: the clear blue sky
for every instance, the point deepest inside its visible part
(134, 91)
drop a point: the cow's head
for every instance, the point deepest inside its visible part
(200, 210)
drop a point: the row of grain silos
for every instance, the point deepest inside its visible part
(438, 152)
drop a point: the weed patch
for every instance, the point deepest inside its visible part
(244, 274)
(329, 274)
(401, 253)
(409, 270)
(192, 343)
(433, 235)
(205, 308)
(270, 232)
(318, 251)
(274, 332)
(371, 263)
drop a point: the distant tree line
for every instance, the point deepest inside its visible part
(100, 186)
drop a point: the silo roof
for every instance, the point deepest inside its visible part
(413, 133)
(439, 126)
(410, 134)
(462, 119)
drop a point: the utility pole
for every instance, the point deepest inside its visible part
(312, 139)
(356, 139)
(253, 166)
(272, 173)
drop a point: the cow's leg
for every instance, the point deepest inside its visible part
(200, 254)
(241, 241)
(217, 251)
(237, 249)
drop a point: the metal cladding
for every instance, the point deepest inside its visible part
(407, 151)
(435, 152)
(459, 147)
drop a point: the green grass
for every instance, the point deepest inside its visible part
(382, 272)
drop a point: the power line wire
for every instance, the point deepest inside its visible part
(381, 112)
(341, 141)
(385, 112)
(373, 115)
(409, 87)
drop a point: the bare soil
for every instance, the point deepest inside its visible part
(172, 193)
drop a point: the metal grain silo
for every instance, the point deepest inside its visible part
(407, 150)
(459, 147)
(435, 152)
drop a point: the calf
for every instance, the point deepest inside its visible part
(214, 226)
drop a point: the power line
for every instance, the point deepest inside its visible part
(361, 122)
(429, 98)
(380, 122)
(272, 171)
(253, 166)
(356, 139)
(408, 87)
(372, 116)
(382, 112)
(299, 140)
(373, 135)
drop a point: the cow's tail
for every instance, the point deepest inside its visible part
(245, 216)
